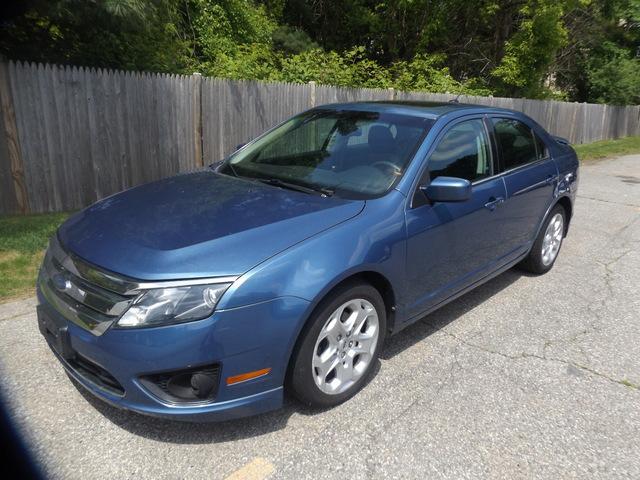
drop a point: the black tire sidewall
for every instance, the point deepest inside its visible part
(301, 379)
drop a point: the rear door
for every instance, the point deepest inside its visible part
(530, 176)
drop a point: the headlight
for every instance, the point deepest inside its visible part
(160, 306)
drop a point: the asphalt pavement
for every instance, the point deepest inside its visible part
(525, 377)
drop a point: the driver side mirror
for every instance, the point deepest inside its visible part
(216, 165)
(447, 189)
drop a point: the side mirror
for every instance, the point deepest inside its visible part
(216, 165)
(447, 189)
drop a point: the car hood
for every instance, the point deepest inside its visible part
(198, 225)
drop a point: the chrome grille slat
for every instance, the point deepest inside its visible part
(99, 299)
(89, 305)
(75, 312)
(93, 275)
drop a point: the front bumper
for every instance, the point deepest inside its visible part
(237, 340)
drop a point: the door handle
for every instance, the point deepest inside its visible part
(493, 203)
(551, 178)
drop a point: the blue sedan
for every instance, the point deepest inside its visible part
(207, 295)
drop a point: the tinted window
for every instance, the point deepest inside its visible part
(463, 152)
(541, 148)
(516, 142)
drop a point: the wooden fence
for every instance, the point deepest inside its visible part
(70, 136)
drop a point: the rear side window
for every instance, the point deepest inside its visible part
(463, 152)
(517, 142)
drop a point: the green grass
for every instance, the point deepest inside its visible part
(23, 240)
(608, 148)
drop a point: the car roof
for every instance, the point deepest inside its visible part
(424, 109)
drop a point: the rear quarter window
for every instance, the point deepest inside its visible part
(541, 147)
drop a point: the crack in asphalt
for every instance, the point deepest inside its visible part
(525, 355)
(609, 201)
(376, 435)
(573, 340)
(625, 228)
(17, 315)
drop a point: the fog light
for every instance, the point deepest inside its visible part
(202, 384)
(184, 386)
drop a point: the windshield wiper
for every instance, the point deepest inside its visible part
(276, 182)
(233, 170)
(216, 166)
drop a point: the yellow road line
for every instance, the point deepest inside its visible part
(257, 469)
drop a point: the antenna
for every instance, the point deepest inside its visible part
(455, 100)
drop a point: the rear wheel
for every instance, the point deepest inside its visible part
(339, 347)
(545, 249)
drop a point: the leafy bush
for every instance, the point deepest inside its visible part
(614, 76)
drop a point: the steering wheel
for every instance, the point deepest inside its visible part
(387, 165)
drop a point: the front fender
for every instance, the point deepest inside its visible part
(375, 240)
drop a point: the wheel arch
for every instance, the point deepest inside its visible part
(566, 203)
(372, 277)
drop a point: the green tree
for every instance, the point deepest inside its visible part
(531, 50)
(599, 62)
(127, 34)
(614, 76)
(585, 50)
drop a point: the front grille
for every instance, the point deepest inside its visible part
(95, 374)
(80, 292)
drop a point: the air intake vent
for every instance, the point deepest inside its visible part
(96, 374)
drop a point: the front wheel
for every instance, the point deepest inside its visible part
(339, 346)
(545, 249)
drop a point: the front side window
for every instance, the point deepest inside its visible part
(516, 141)
(354, 154)
(463, 152)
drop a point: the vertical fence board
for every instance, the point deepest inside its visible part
(14, 197)
(8, 196)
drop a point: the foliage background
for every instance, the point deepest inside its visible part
(578, 50)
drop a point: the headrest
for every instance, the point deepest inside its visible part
(380, 139)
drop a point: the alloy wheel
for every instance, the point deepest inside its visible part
(345, 347)
(552, 239)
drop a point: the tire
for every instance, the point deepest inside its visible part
(545, 249)
(331, 338)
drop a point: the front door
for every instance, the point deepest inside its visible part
(452, 245)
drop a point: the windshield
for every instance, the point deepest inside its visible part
(355, 154)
